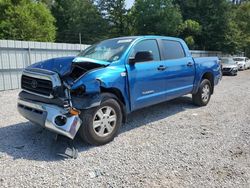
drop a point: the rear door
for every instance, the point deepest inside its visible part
(146, 79)
(180, 72)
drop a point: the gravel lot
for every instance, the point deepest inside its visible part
(173, 144)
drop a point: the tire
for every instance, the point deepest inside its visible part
(202, 97)
(107, 119)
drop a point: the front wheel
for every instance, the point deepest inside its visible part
(101, 124)
(202, 97)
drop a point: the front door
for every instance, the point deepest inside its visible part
(146, 79)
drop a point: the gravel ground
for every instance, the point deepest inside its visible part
(173, 144)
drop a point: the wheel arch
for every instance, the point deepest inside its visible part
(120, 98)
(209, 76)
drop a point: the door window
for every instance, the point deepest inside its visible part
(172, 50)
(147, 45)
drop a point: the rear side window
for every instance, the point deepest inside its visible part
(172, 50)
(147, 45)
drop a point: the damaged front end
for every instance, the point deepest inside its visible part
(51, 117)
(55, 100)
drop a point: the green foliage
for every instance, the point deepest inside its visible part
(214, 17)
(233, 39)
(191, 27)
(49, 3)
(242, 19)
(190, 41)
(26, 20)
(189, 30)
(115, 14)
(208, 24)
(77, 16)
(159, 17)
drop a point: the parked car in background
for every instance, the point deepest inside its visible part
(242, 62)
(229, 66)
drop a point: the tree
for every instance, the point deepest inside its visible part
(242, 19)
(26, 20)
(115, 12)
(190, 29)
(159, 17)
(233, 39)
(77, 16)
(214, 17)
(49, 3)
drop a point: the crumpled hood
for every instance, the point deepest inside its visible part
(84, 59)
(62, 65)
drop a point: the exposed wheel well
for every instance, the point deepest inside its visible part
(119, 95)
(210, 77)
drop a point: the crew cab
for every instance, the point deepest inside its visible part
(93, 93)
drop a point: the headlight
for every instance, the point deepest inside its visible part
(78, 91)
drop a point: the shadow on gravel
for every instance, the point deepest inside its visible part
(32, 142)
(158, 112)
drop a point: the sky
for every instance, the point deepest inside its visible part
(129, 3)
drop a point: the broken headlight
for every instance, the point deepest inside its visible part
(80, 91)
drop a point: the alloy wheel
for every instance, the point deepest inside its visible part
(205, 93)
(104, 121)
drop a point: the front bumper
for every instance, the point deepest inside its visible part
(240, 67)
(229, 71)
(47, 115)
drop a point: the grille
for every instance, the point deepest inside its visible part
(36, 85)
(226, 69)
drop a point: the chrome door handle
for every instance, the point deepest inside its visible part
(190, 64)
(162, 68)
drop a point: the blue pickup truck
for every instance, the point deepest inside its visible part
(91, 94)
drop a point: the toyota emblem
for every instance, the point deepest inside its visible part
(34, 84)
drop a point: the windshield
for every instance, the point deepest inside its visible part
(227, 61)
(239, 59)
(108, 50)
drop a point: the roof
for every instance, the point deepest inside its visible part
(146, 36)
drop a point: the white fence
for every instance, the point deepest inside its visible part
(16, 55)
(198, 53)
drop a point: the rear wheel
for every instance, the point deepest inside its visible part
(101, 124)
(202, 97)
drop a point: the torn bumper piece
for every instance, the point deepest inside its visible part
(51, 117)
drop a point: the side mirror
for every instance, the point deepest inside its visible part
(141, 57)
